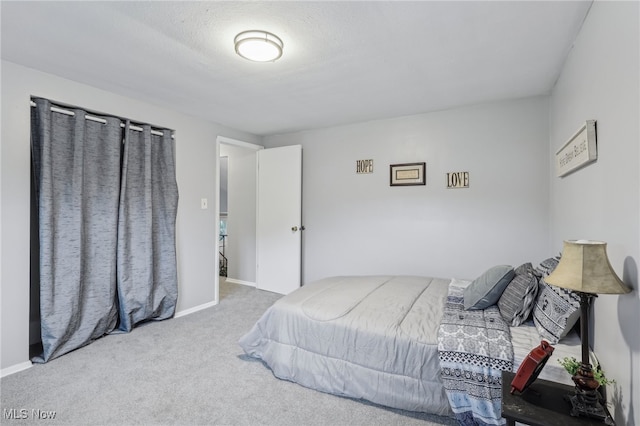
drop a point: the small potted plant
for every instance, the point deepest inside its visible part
(572, 365)
(597, 382)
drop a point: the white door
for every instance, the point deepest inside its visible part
(279, 215)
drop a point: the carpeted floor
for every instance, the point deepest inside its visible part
(184, 371)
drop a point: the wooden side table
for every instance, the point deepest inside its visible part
(541, 404)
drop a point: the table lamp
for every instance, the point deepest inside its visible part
(584, 268)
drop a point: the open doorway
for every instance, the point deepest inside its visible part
(223, 262)
(235, 214)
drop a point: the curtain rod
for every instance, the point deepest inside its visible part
(98, 119)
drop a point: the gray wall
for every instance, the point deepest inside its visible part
(224, 184)
(358, 224)
(600, 81)
(195, 156)
(241, 221)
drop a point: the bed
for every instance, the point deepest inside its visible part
(382, 339)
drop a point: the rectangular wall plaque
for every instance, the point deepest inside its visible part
(364, 166)
(579, 151)
(407, 174)
(458, 180)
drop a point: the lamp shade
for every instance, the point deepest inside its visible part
(584, 267)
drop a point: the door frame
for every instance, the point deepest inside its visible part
(241, 144)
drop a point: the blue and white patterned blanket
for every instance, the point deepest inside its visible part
(474, 348)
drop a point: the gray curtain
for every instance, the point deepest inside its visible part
(77, 176)
(147, 275)
(106, 219)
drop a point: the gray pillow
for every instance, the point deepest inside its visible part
(518, 299)
(485, 290)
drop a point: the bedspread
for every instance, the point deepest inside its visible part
(374, 338)
(474, 347)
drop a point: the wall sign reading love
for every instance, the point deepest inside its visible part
(458, 180)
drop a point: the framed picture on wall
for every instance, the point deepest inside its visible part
(407, 174)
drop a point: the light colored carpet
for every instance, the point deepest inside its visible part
(184, 371)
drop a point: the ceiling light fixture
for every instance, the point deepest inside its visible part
(259, 46)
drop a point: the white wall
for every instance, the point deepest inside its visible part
(241, 222)
(600, 81)
(195, 159)
(358, 224)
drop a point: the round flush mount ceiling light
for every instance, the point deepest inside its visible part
(259, 46)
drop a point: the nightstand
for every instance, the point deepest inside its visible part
(542, 404)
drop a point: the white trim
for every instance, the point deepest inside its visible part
(242, 144)
(234, 281)
(195, 309)
(15, 368)
(216, 227)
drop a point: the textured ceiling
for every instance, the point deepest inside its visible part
(343, 62)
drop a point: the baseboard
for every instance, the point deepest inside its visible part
(15, 368)
(195, 309)
(234, 281)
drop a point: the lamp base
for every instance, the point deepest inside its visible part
(586, 403)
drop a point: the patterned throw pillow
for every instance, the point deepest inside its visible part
(547, 266)
(557, 309)
(518, 299)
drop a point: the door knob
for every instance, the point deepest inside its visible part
(294, 228)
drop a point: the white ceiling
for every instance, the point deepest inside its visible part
(343, 62)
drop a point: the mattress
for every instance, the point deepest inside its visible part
(525, 337)
(372, 338)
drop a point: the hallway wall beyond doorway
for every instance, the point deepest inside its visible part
(240, 244)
